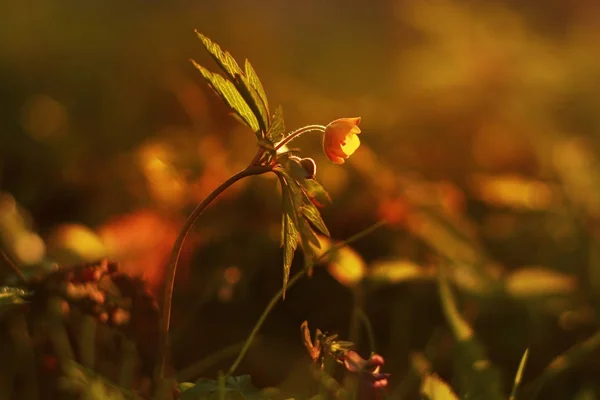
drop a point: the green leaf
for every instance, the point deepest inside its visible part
(312, 214)
(235, 387)
(254, 102)
(304, 212)
(289, 232)
(307, 231)
(310, 242)
(248, 85)
(251, 81)
(223, 58)
(316, 192)
(229, 93)
(277, 129)
(255, 83)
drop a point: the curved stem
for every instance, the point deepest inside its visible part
(298, 132)
(172, 268)
(291, 283)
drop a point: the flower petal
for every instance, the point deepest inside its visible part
(350, 145)
(340, 140)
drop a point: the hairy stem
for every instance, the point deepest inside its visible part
(165, 319)
(298, 132)
(291, 283)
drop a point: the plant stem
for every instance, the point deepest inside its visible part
(172, 268)
(291, 283)
(195, 370)
(12, 265)
(261, 321)
(566, 360)
(298, 132)
(368, 328)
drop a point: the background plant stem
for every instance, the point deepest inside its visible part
(172, 267)
(291, 283)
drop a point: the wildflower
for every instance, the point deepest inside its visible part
(340, 139)
(367, 370)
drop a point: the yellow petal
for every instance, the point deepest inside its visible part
(352, 143)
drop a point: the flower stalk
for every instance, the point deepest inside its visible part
(298, 132)
(165, 319)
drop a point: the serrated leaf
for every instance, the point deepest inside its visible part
(290, 243)
(254, 102)
(253, 83)
(223, 58)
(310, 244)
(297, 174)
(312, 214)
(277, 129)
(247, 84)
(232, 97)
(316, 192)
(289, 231)
(306, 214)
(311, 236)
(257, 85)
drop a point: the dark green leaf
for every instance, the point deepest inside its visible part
(277, 129)
(289, 231)
(310, 242)
(313, 215)
(229, 93)
(316, 192)
(304, 212)
(302, 198)
(308, 232)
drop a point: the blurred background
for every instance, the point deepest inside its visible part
(480, 144)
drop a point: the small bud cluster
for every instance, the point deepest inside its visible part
(368, 371)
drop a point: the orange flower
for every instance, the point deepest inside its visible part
(340, 139)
